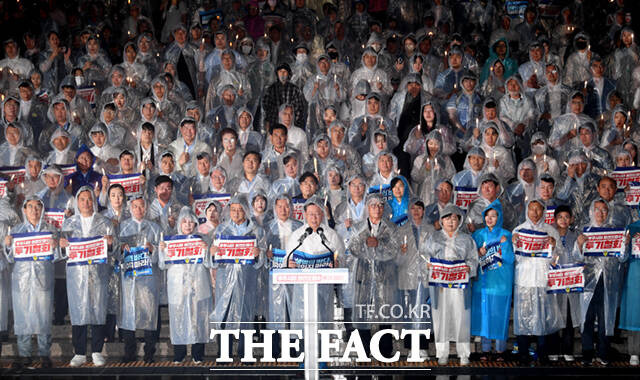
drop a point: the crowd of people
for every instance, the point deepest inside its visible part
(389, 137)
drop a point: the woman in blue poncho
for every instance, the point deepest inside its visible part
(630, 303)
(491, 301)
(399, 201)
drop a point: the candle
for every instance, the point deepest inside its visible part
(325, 200)
(315, 164)
(585, 85)
(161, 236)
(203, 40)
(405, 240)
(348, 212)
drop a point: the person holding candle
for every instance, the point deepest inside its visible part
(489, 189)
(431, 166)
(518, 112)
(576, 68)
(60, 118)
(84, 175)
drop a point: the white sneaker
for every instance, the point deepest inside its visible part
(464, 360)
(569, 358)
(98, 359)
(634, 360)
(78, 360)
(554, 358)
(443, 360)
(424, 354)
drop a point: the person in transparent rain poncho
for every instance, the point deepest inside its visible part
(451, 307)
(524, 188)
(552, 98)
(600, 159)
(431, 166)
(369, 71)
(499, 159)
(603, 279)
(106, 154)
(31, 285)
(248, 139)
(228, 74)
(278, 232)
(578, 184)
(492, 289)
(489, 114)
(117, 129)
(149, 113)
(535, 313)
(95, 63)
(474, 167)
(489, 189)
(564, 131)
(60, 117)
(87, 285)
(617, 129)
(14, 151)
(33, 182)
(517, 111)
(139, 307)
(187, 146)
(545, 163)
(236, 282)
(188, 292)
(429, 121)
(321, 90)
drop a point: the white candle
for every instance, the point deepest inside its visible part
(405, 239)
(315, 164)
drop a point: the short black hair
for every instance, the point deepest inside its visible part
(306, 175)
(148, 127)
(249, 153)
(562, 208)
(162, 179)
(110, 106)
(124, 153)
(273, 127)
(288, 159)
(227, 130)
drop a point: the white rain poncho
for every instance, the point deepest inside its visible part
(188, 292)
(179, 146)
(534, 311)
(169, 111)
(106, 151)
(358, 107)
(164, 133)
(625, 68)
(239, 80)
(5, 280)
(608, 269)
(28, 136)
(31, 281)
(314, 246)
(277, 237)
(451, 308)
(61, 157)
(376, 273)
(139, 294)
(440, 167)
(326, 94)
(359, 138)
(117, 129)
(135, 71)
(469, 177)
(600, 158)
(578, 190)
(533, 67)
(236, 283)
(563, 124)
(248, 139)
(614, 132)
(552, 98)
(87, 285)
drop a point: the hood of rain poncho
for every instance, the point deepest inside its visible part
(104, 106)
(119, 69)
(539, 136)
(375, 95)
(100, 127)
(218, 208)
(57, 100)
(163, 82)
(331, 168)
(434, 135)
(187, 213)
(18, 125)
(362, 88)
(591, 127)
(475, 151)
(229, 52)
(146, 101)
(436, 112)
(620, 108)
(450, 209)
(279, 197)
(300, 45)
(455, 50)
(495, 233)
(518, 79)
(436, 187)
(581, 35)
(57, 133)
(592, 213)
(240, 199)
(56, 170)
(369, 51)
(353, 178)
(489, 177)
(567, 108)
(33, 197)
(124, 50)
(82, 149)
(188, 120)
(82, 189)
(490, 125)
(226, 87)
(263, 44)
(400, 210)
(577, 156)
(393, 157)
(373, 148)
(375, 38)
(239, 112)
(534, 45)
(67, 81)
(252, 198)
(7, 99)
(117, 91)
(492, 50)
(528, 163)
(620, 151)
(526, 211)
(320, 137)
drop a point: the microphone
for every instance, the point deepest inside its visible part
(306, 233)
(323, 239)
(320, 232)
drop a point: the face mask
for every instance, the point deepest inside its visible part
(333, 54)
(283, 78)
(301, 57)
(538, 149)
(78, 81)
(376, 47)
(581, 45)
(246, 49)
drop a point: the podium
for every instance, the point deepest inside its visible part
(310, 279)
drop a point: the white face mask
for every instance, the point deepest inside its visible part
(301, 57)
(538, 149)
(246, 49)
(78, 81)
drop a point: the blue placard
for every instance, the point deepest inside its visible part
(306, 260)
(136, 262)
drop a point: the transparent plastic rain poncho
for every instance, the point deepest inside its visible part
(164, 133)
(477, 207)
(189, 292)
(75, 131)
(492, 289)
(370, 159)
(14, 155)
(397, 103)
(578, 191)
(373, 75)
(517, 111)
(610, 269)
(469, 177)
(614, 134)
(551, 98)
(312, 246)
(600, 158)
(630, 301)
(414, 145)
(563, 124)
(236, 283)
(376, 273)
(57, 198)
(248, 139)
(545, 163)
(99, 63)
(441, 167)
(533, 67)
(277, 237)
(234, 77)
(569, 255)
(117, 131)
(27, 137)
(534, 311)
(5, 281)
(106, 151)
(451, 308)
(358, 107)
(519, 192)
(326, 93)
(497, 155)
(31, 281)
(87, 285)
(577, 69)
(625, 60)
(170, 111)
(354, 134)
(139, 294)
(80, 108)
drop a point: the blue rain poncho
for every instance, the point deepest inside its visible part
(491, 291)
(188, 292)
(630, 302)
(400, 210)
(32, 282)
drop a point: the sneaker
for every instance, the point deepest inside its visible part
(634, 360)
(569, 358)
(443, 360)
(464, 360)
(46, 362)
(602, 362)
(78, 360)
(98, 359)
(197, 361)
(178, 361)
(554, 358)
